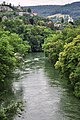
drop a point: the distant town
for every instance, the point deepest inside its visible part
(7, 11)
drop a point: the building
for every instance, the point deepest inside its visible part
(70, 20)
(56, 18)
(4, 8)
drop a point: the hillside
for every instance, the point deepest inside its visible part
(72, 9)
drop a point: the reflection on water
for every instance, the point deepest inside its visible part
(9, 102)
(43, 94)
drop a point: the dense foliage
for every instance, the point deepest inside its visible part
(69, 63)
(18, 35)
(53, 45)
(34, 34)
(11, 47)
(63, 49)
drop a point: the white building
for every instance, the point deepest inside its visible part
(5, 8)
(70, 19)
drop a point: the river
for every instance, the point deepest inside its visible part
(44, 95)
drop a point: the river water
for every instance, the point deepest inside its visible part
(44, 95)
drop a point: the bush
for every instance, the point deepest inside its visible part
(53, 45)
(69, 61)
(9, 45)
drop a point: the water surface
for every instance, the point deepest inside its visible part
(44, 95)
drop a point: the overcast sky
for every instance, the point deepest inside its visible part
(38, 2)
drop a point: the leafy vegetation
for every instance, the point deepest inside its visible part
(10, 44)
(34, 34)
(52, 46)
(63, 49)
(7, 113)
(69, 63)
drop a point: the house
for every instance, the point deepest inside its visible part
(70, 20)
(58, 18)
(14, 11)
(4, 8)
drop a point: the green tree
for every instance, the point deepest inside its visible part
(29, 10)
(9, 45)
(53, 45)
(69, 63)
(62, 20)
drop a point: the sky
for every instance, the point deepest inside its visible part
(38, 2)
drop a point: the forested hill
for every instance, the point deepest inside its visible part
(72, 9)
